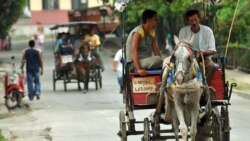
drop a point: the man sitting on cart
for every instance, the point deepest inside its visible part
(64, 44)
(204, 41)
(141, 43)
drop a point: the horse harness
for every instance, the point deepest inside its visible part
(195, 70)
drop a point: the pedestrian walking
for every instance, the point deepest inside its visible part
(34, 64)
(117, 67)
(39, 37)
(169, 43)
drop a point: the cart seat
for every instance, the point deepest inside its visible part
(217, 83)
(149, 72)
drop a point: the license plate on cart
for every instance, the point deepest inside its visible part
(144, 85)
(66, 59)
(144, 90)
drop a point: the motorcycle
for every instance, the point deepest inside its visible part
(14, 87)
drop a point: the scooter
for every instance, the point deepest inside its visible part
(14, 87)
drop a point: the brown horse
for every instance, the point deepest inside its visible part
(82, 65)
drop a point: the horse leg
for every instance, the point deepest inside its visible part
(78, 77)
(155, 124)
(78, 83)
(175, 125)
(193, 128)
(180, 114)
(86, 82)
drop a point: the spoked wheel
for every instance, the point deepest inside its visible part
(65, 82)
(13, 99)
(216, 127)
(146, 133)
(225, 124)
(54, 80)
(123, 130)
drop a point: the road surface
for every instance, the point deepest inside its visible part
(94, 116)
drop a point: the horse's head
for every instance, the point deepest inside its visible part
(84, 53)
(182, 58)
(84, 49)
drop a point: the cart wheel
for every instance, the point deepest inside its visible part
(96, 81)
(225, 124)
(216, 127)
(54, 80)
(123, 130)
(100, 78)
(65, 82)
(146, 136)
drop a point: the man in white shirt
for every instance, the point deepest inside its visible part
(117, 66)
(203, 39)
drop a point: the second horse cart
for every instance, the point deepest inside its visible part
(64, 63)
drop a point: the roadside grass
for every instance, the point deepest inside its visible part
(240, 85)
(1, 136)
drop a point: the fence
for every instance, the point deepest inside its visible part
(237, 57)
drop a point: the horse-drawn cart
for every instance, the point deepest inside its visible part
(65, 69)
(141, 92)
(208, 120)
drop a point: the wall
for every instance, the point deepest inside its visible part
(65, 4)
(36, 5)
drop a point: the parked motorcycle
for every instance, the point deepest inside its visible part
(14, 87)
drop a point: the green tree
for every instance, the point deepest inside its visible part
(218, 17)
(10, 12)
(170, 15)
(241, 27)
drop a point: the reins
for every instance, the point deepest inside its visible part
(205, 81)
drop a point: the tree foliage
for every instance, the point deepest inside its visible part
(168, 13)
(241, 27)
(11, 10)
(217, 16)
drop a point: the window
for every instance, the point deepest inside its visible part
(79, 4)
(50, 4)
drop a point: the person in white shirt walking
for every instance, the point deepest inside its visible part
(117, 66)
(39, 37)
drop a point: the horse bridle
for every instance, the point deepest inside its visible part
(81, 56)
(179, 67)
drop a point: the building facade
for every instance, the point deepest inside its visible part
(56, 11)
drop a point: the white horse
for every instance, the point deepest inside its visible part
(183, 90)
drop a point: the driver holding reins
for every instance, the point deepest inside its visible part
(203, 40)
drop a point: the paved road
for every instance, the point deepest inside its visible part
(75, 116)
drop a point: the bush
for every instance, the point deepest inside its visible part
(1, 136)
